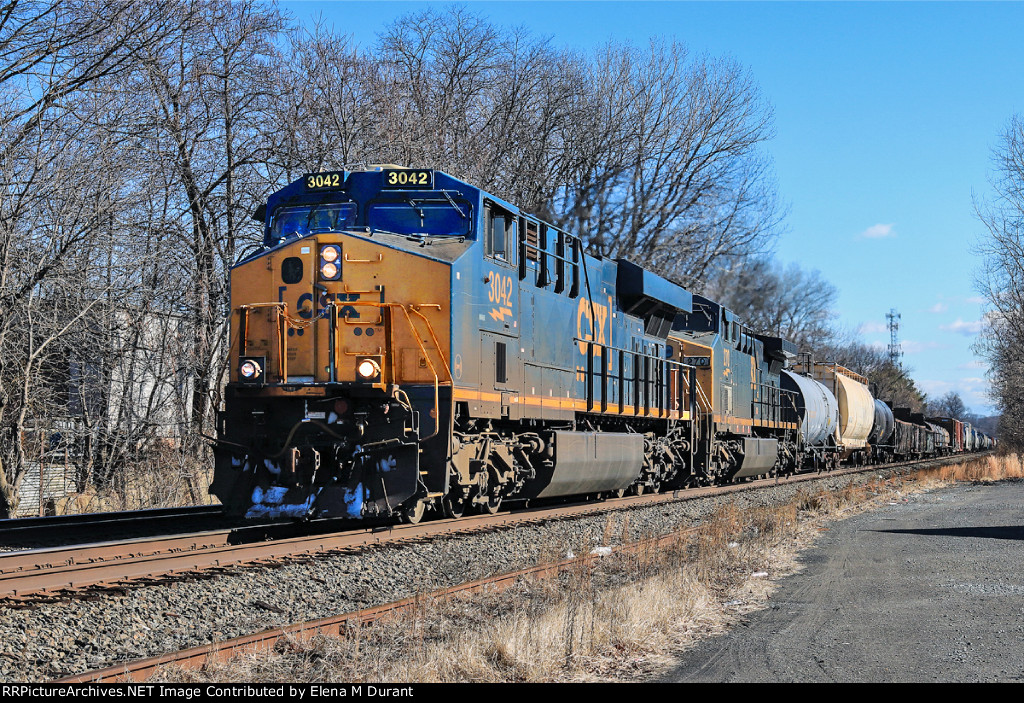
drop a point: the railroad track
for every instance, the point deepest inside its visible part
(195, 657)
(31, 576)
(19, 533)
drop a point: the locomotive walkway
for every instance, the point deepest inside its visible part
(927, 590)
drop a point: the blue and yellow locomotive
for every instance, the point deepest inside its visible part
(404, 342)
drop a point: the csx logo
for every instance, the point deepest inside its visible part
(305, 304)
(591, 323)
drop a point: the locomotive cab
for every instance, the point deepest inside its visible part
(340, 385)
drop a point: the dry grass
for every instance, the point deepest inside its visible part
(164, 479)
(620, 620)
(986, 469)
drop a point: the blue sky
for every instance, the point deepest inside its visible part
(885, 117)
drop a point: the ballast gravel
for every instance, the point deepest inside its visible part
(69, 637)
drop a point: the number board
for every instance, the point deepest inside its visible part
(698, 361)
(414, 179)
(333, 180)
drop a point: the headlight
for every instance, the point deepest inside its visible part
(368, 369)
(330, 262)
(250, 369)
(329, 271)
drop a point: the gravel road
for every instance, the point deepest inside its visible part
(927, 590)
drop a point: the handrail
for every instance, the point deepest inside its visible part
(380, 257)
(658, 380)
(284, 320)
(405, 310)
(702, 396)
(282, 341)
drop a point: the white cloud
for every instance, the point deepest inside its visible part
(909, 346)
(933, 388)
(967, 329)
(974, 391)
(973, 365)
(871, 328)
(977, 300)
(878, 231)
(938, 308)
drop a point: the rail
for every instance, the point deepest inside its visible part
(352, 543)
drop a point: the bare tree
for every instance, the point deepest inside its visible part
(55, 198)
(785, 301)
(650, 154)
(949, 405)
(1001, 281)
(324, 109)
(208, 85)
(496, 106)
(669, 170)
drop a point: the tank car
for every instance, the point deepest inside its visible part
(818, 413)
(856, 407)
(883, 431)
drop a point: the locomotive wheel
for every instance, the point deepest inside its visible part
(492, 506)
(412, 515)
(453, 507)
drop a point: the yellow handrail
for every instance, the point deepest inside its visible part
(405, 310)
(282, 337)
(701, 396)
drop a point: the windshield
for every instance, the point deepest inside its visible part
(448, 218)
(296, 221)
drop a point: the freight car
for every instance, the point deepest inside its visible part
(404, 343)
(818, 412)
(955, 430)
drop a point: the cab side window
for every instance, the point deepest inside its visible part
(499, 233)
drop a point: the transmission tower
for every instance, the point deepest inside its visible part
(894, 343)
